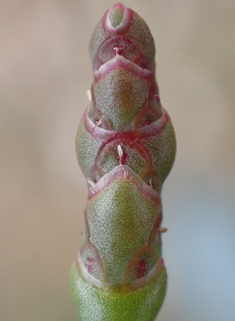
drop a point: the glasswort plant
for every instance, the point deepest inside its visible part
(125, 147)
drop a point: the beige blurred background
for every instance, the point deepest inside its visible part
(44, 73)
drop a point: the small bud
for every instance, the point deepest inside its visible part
(142, 265)
(163, 229)
(89, 263)
(116, 14)
(98, 122)
(88, 94)
(118, 50)
(120, 153)
(90, 182)
(158, 98)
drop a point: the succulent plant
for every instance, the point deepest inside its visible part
(125, 146)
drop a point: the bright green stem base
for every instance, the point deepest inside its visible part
(96, 304)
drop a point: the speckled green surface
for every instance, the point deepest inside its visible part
(162, 150)
(116, 16)
(114, 215)
(120, 96)
(95, 304)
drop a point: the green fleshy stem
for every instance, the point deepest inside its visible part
(97, 304)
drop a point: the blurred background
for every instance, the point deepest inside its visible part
(44, 73)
